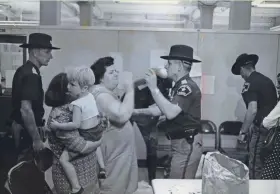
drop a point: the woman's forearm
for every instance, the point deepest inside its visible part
(271, 119)
(151, 111)
(127, 106)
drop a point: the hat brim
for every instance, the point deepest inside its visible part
(237, 65)
(180, 58)
(38, 46)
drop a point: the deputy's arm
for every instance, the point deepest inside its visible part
(249, 117)
(169, 109)
(250, 96)
(29, 120)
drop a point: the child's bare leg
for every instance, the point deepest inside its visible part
(102, 172)
(69, 171)
(91, 146)
(100, 158)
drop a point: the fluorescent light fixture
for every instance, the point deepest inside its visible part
(172, 2)
(268, 5)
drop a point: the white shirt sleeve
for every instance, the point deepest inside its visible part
(271, 119)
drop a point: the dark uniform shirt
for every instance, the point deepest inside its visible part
(261, 89)
(187, 95)
(27, 85)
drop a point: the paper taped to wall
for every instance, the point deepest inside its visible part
(207, 84)
(9, 75)
(155, 60)
(118, 60)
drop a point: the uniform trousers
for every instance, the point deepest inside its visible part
(256, 139)
(181, 149)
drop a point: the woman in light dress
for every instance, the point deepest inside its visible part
(118, 143)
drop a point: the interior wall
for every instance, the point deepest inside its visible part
(218, 52)
(136, 46)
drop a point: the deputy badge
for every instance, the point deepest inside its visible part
(246, 87)
(184, 90)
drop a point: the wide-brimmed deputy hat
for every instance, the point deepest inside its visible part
(243, 60)
(181, 52)
(39, 40)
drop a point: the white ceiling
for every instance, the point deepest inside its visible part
(163, 14)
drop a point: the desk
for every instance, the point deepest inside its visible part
(193, 186)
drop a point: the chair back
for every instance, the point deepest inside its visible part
(230, 127)
(208, 126)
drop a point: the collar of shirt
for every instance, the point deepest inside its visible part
(34, 66)
(252, 75)
(181, 79)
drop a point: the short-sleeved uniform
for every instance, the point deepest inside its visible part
(187, 95)
(260, 89)
(27, 85)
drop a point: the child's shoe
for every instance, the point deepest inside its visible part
(102, 174)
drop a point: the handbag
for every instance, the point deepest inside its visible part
(269, 141)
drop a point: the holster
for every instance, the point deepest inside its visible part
(188, 134)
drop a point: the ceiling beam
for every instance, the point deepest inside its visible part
(70, 8)
(140, 8)
(257, 2)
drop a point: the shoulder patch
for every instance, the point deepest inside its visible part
(184, 90)
(246, 87)
(34, 71)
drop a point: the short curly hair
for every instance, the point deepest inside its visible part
(99, 67)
